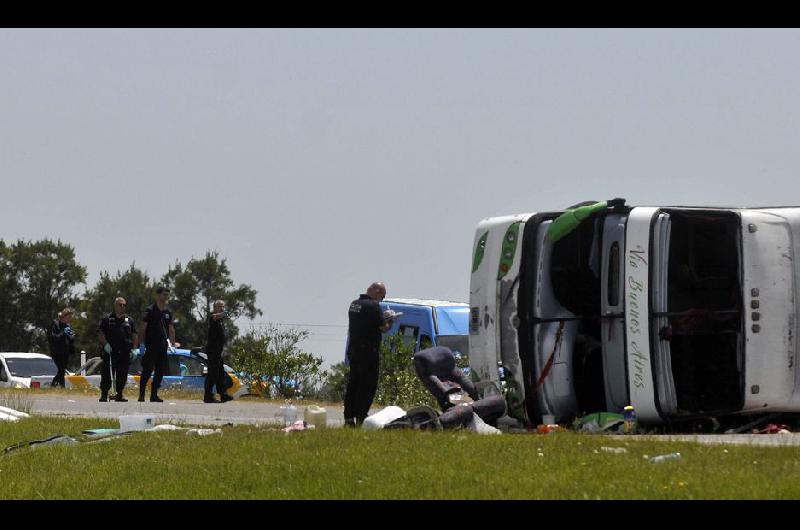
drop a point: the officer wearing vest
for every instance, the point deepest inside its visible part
(158, 332)
(118, 339)
(367, 323)
(61, 338)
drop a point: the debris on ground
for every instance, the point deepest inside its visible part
(59, 439)
(204, 432)
(598, 422)
(383, 417)
(136, 422)
(299, 425)
(664, 458)
(167, 427)
(773, 428)
(615, 450)
(8, 414)
(550, 428)
(99, 433)
(481, 427)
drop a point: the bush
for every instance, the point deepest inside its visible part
(398, 383)
(271, 362)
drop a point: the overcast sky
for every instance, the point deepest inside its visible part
(318, 161)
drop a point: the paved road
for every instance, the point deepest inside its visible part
(178, 410)
(769, 440)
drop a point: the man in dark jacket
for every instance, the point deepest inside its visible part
(61, 337)
(117, 336)
(367, 323)
(214, 346)
(158, 332)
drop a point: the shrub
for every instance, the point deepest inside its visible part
(271, 361)
(398, 383)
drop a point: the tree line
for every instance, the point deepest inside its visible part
(39, 278)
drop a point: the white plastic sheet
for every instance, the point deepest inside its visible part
(479, 426)
(383, 417)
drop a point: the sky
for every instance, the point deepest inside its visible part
(317, 161)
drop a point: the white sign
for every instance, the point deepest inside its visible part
(637, 312)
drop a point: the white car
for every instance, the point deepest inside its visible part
(26, 370)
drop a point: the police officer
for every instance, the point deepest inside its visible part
(157, 330)
(367, 323)
(118, 338)
(61, 338)
(214, 345)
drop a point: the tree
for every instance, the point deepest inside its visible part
(272, 362)
(38, 280)
(134, 285)
(336, 383)
(194, 288)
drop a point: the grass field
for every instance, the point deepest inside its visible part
(246, 462)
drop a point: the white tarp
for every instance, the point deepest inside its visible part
(7, 414)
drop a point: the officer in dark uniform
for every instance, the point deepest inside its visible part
(61, 338)
(367, 323)
(117, 335)
(214, 345)
(157, 330)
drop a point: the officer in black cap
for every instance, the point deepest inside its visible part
(118, 339)
(367, 323)
(61, 338)
(214, 345)
(158, 332)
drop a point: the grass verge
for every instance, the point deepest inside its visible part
(247, 462)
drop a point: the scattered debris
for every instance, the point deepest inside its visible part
(664, 458)
(58, 439)
(99, 433)
(167, 427)
(138, 422)
(8, 414)
(773, 428)
(204, 432)
(600, 422)
(383, 417)
(548, 428)
(299, 425)
(481, 427)
(615, 450)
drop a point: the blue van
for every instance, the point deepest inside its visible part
(426, 323)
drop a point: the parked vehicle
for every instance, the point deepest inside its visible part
(427, 323)
(683, 312)
(26, 370)
(187, 369)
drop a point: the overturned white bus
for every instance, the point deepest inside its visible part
(684, 312)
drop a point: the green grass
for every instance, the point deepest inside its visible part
(247, 462)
